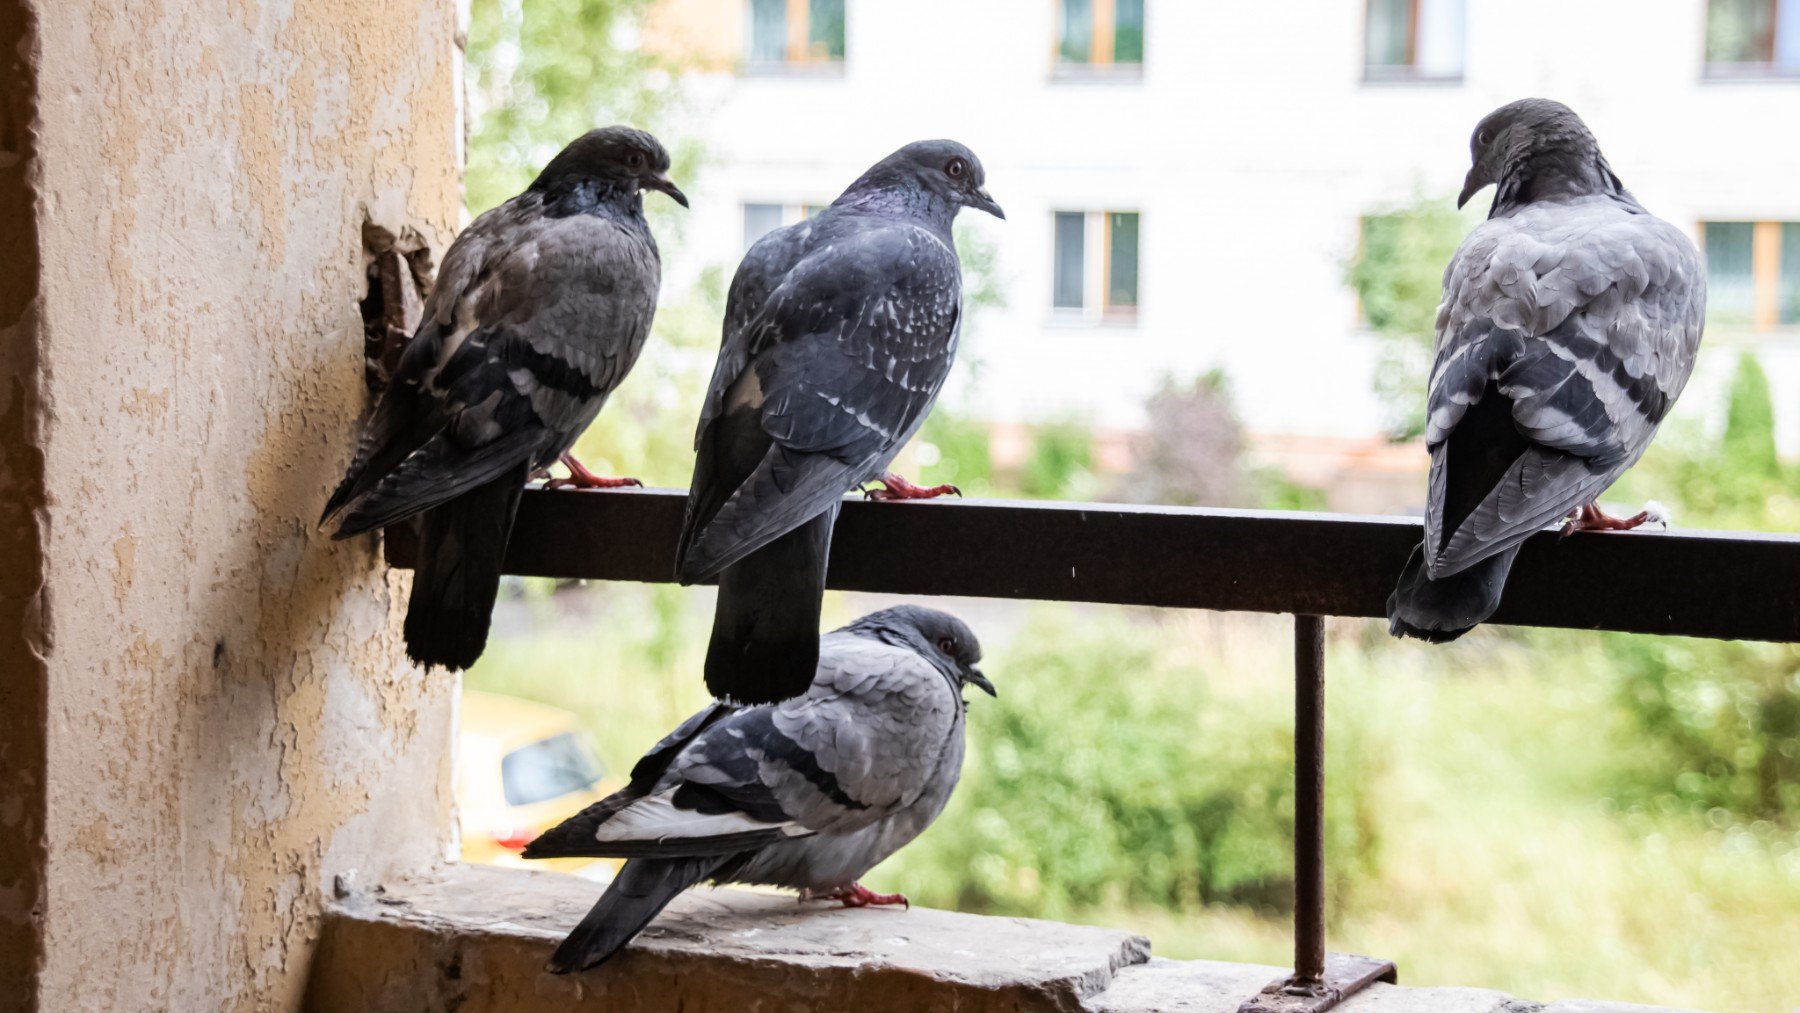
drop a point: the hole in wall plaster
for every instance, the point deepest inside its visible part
(398, 274)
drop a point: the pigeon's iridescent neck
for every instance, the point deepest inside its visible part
(913, 204)
(594, 197)
(1565, 174)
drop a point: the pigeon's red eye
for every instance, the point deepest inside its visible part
(956, 168)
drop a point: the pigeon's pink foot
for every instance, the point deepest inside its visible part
(896, 488)
(858, 895)
(581, 478)
(1592, 518)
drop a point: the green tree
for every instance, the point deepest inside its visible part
(1748, 447)
(1398, 275)
(543, 72)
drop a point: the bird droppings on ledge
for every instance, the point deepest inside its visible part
(731, 950)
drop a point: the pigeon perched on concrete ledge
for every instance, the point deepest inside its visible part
(1570, 323)
(539, 311)
(808, 794)
(839, 332)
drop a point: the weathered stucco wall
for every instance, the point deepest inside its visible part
(230, 723)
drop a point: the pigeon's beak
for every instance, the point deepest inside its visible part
(985, 201)
(981, 682)
(662, 182)
(1474, 181)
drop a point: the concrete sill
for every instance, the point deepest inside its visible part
(474, 939)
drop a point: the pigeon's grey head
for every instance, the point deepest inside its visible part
(622, 159)
(1533, 149)
(941, 638)
(946, 172)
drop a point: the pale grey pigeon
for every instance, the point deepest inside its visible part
(1570, 323)
(839, 332)
(539, 311)
(808, 794)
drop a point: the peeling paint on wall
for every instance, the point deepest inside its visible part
(229, 719)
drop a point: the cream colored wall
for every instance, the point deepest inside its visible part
(230, 721)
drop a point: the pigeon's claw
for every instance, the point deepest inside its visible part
(896, 488)
(581, 478)
(858, 895)
(1592, 518)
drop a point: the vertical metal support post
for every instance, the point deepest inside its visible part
(1318, 983)
(1309, 801)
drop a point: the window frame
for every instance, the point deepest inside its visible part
(1769, 239)
(1770, 69)
(798, 57)
(1409, 73)
(1097, 307)
(1102, 63)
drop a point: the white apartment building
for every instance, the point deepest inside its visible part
(1185, 181)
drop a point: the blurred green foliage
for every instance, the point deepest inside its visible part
(1111, 771)
(1398, 276)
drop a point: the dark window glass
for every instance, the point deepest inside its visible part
(1789, 296)
(1071, 259)
(549, 769)
(768, 31)
(759, 221)
(1122, 261)
(1075, 43)
(825, 29)
(1128, 32)
(1730, 274)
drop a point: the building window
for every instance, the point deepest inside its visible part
(1099, 36)
(760, 219)
(1094, 273)
(794, 34)
(1752, 38)
(1414, 40)
(1752, 274)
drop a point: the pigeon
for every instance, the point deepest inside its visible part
(807, 794)
(1570, 323)
(539, 311)
(839, 332)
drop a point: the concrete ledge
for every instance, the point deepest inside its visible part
(473, 939)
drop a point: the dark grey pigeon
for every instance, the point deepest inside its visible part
(839, 332)
(539, 311)
(1570, 322)
(808, 794)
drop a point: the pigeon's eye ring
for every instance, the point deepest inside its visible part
(947, 645)
(956, 169)
(636, 160)
(1484, 138)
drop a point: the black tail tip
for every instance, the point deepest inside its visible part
(1399, 627)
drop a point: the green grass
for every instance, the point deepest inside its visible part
(1476, 838)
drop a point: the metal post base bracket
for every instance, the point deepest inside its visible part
(1345, 975)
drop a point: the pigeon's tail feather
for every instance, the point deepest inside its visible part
(765, 638)
(461, 546)
(1446, 608)
(643, 887)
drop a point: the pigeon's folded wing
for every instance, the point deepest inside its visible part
(857, 747)
(1585, 321)
(506, 365)
(838, 367)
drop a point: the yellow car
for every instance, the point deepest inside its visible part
(522, 768)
